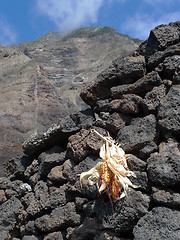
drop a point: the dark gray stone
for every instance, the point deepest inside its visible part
(38, 201)
(123, 71)
(15, 167)
(82, 144)
(11, 193)
(102, 106)
(55, 135)
(140, 87)
(28, 229)
(56, 175)
(32, 169)
(160, 223)
(151, 101)
(57, 196)
(141, 180)
(158, 57)
(166, 198)
(83, 119)
(54, 236)
(4, 183)
(14, 189)
(147, 150)
(80, 202)
(74, 179)
(34, 179)
(10, 217)
(87, 230)
(112, 122)
(169, 111)
(164, 167)
(31, 237)
(160, 38)
(44, 199)
(123, 215)
(68, 168)
(176, 77)
(138, 134)
(33, 207)
(128, 104)
(136, 164)
(170, 65)
(48, 161)
(59, 218)
(55, 149)
(2, 196)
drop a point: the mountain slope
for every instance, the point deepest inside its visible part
(74, 60)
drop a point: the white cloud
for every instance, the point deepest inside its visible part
(7, 34)
(70, 14)
(139, 26)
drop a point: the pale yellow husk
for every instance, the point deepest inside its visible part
(115, 157)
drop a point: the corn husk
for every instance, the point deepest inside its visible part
(112, 168)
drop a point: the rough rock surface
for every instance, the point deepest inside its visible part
(137, 100)
(54, 236)
(2, 196)
(138, 134)
(82, 144)
(125, 213)
(11, 211)
(169, 110)
(140, 87)
(129, 104)
(122, 71)
(112, 122)
(153, 98)
(166, 198)
(60, 218)
(160, 223)
(164, 167)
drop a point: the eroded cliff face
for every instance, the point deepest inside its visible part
(74, 60)
(41, 80)
(137, 100)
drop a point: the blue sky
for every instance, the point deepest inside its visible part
(26, 20)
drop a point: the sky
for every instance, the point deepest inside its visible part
(27, 20)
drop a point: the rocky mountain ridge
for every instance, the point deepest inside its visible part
(41, 80)
(139, 103)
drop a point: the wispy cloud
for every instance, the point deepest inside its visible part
(139, 25)
(70, 14)
(7, 34)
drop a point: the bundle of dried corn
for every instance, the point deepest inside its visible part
(112, 173)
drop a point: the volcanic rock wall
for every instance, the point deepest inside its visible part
(137, 100)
